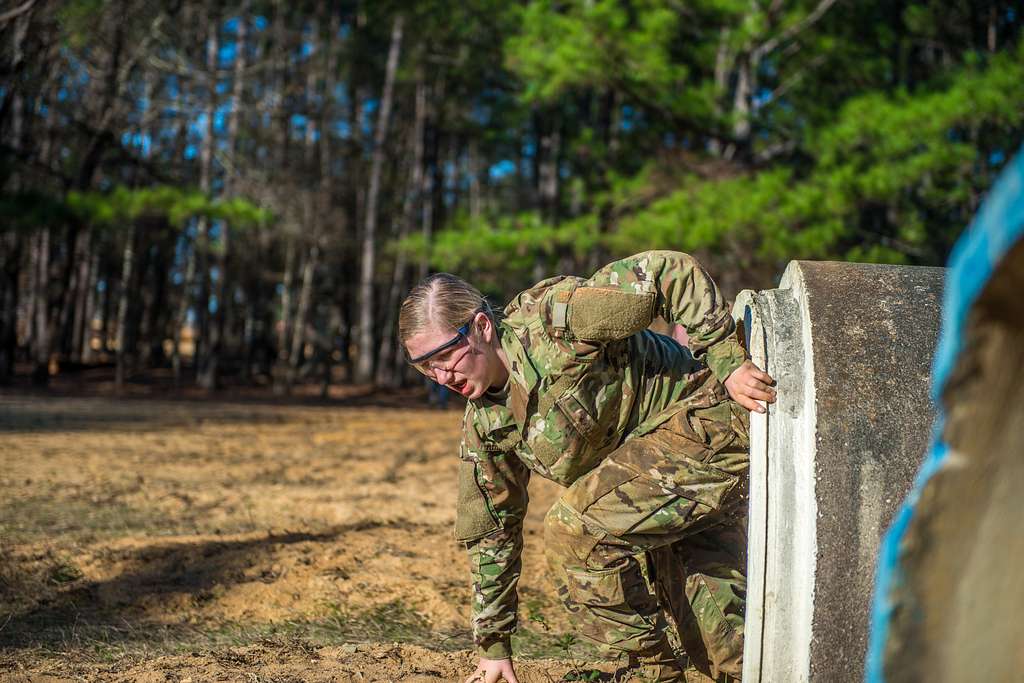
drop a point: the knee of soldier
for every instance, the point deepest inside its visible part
(565, 536)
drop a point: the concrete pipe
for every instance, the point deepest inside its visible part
(850, 346)
(950, 595)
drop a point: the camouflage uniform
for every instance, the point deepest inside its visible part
(652, 451)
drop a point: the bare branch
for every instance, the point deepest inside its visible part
(795, 78)
(16, 12)
(130, 63)
(796, 29)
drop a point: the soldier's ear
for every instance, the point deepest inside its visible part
(483, 323)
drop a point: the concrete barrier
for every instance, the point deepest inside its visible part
(950, 594)
(850, 346)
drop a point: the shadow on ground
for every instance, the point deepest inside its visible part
(82, 613)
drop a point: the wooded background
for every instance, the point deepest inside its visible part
(246, 189)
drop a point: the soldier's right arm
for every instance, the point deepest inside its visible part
(492, 505)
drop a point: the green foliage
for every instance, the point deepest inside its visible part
(595, 43)
(123, 205)
(892, 178)
(914, 154)
(750, 133)
(504, 246)
(240, 212)
(119, 208)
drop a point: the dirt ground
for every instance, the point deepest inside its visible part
(183, 540)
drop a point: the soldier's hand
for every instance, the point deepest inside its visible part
(749, 384)
(492, 671)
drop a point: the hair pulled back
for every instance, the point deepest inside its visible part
(442, 301)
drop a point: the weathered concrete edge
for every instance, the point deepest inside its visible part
(782, 526)
(804, 452)
(748, 310)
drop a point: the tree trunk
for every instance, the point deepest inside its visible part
(326, 203)
(202, 310)
(427, 195)
(282, 144)
(723, 60)
(345, 334)
(741, 108)
(389, 371)
(132, 267)
(47, 318)
(548, 182)
(310, 219)
(127, 285)
(365, 364)
(14, 105)
(475, 184)
(81, 293)
(354, 196)
(181, 317)
(41, 331)
(281, 76)
(209, 378)
(104, 340)
(427, 225)
(249, 332)
(102, 136)
(11, 266)
(302, 315)
(17, 64)
(151, 331)
(992, 33)
(69, 297)
(333, 323)
(284, 333)
(86, 351)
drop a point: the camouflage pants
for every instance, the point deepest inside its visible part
(674, 500)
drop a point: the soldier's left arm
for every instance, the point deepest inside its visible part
(493, 498)
(626, 295)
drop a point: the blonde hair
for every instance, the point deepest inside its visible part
(442, 301)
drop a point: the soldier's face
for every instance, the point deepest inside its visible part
(469, 367)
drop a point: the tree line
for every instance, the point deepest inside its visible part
(248, 188)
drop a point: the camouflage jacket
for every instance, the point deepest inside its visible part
(585, 376)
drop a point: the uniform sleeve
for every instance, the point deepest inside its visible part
(492, 505)
(625, 296)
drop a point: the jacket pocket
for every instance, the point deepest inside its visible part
(714, 426)
(567, 440)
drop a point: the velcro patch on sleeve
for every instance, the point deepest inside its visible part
(607, 314)
(473, 516)
(559, 315)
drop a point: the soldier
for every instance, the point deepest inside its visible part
(648, 436)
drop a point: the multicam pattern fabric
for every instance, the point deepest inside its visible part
(587, 380)
(679, 494)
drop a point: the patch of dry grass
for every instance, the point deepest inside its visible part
(157, 528)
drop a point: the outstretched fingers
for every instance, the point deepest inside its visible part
(749, 384)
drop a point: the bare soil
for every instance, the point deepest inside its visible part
(176, 540)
